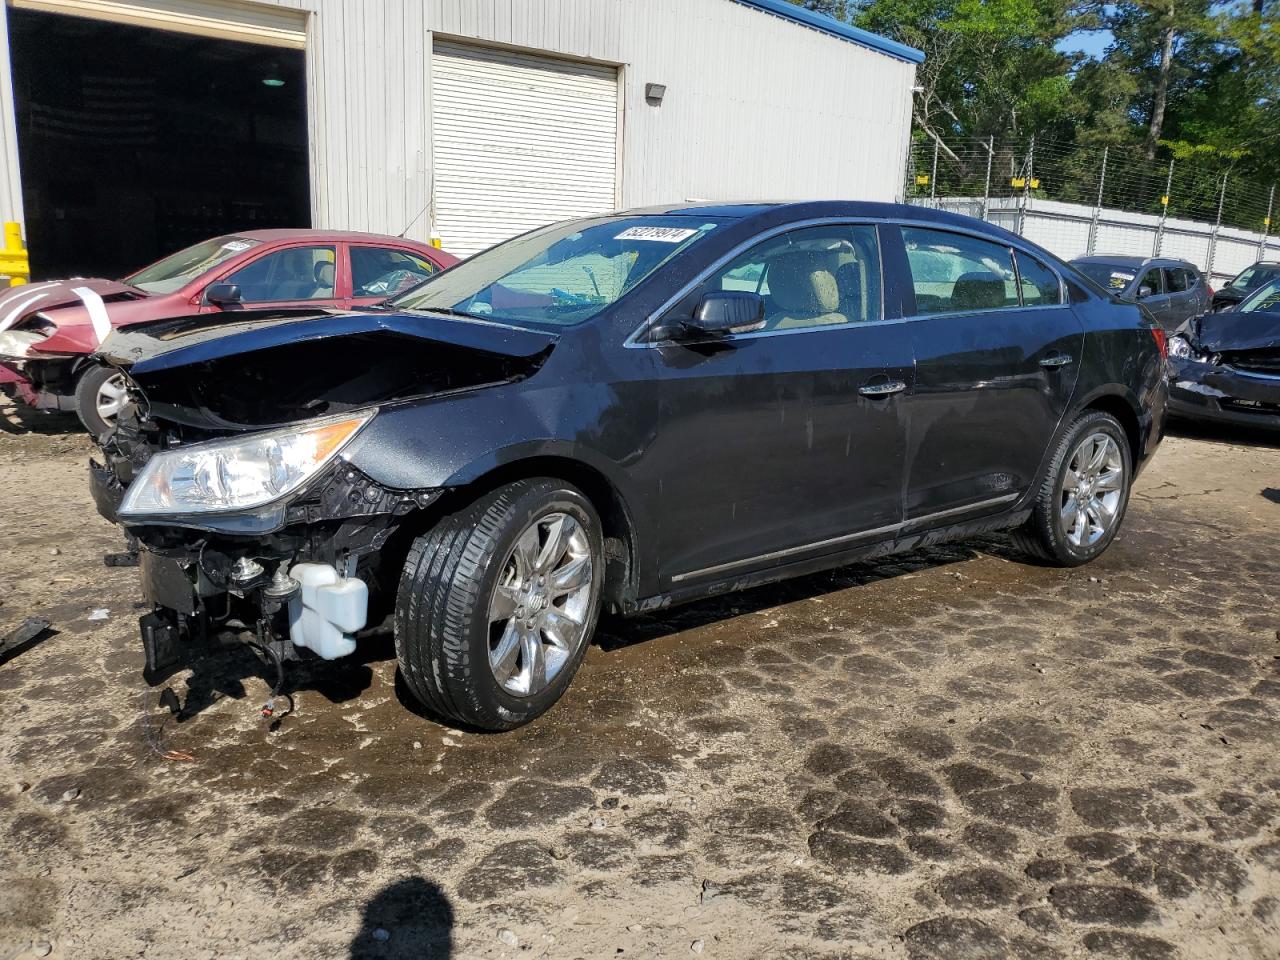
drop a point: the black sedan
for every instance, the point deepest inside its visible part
(618, 414)
(1244, 283)
(1225, 367)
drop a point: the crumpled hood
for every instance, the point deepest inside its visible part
(262, 368)
(1233, 332)
(66, 302)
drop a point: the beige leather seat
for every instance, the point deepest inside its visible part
(324, 274)
(803, 291)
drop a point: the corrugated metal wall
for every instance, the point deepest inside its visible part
(756, 106)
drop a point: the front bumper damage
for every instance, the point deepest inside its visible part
(1220, 393)
(304, 589)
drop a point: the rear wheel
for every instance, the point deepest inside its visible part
(100, 394)
(1084, 496)
(497, 603)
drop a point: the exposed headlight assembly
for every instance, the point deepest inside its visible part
(238, 484)
(1180, 348)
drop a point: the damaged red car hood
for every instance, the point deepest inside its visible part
(66, 302)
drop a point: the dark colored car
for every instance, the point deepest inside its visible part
(1244, 283)
(1173, 290)
(620, 413)
(48, 330)
(1225, 367)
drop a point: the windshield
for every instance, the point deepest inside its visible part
(177, 270)
(1265, 299)
(1109, 277)
(1253, 277)
(563, 274)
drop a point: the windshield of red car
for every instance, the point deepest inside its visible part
(560, 275)
(178, 269)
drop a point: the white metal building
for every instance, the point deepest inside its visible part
(491, 116)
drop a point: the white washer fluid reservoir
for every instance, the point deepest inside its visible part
(328, 609)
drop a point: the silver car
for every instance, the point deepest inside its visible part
(1173, 290)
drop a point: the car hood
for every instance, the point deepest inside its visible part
(1233, 332)
(62, 301)
(263, 368)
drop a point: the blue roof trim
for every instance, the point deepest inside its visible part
(824, 24)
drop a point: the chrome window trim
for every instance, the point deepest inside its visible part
(634, 340)
(843, 538)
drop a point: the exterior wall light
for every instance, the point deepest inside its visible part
(654, 92)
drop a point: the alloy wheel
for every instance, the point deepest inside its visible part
(540, 604)
(1092, 490)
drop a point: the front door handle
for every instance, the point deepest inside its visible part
(885, 388)
(1056, 360)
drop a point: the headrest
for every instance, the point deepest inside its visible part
(978, 291)
(802, 282)
(324, 273)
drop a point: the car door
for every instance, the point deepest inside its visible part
(1157, 300)
(297, 275)
(1181, 300)
(997, 352)
(789, 440)
(379, 271)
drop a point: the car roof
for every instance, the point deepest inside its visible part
(282, 233)
(1124, 260)
(782, 210)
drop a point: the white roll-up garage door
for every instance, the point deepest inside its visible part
(518, 141)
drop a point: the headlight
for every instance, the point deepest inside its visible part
(16, 343)
(241, 474)
(1180, 347)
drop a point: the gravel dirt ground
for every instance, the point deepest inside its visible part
(950, 755)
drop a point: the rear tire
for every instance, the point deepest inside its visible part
(1085, 493)
(100, 393)
(485, 635)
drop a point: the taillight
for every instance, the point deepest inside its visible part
(1162, 341)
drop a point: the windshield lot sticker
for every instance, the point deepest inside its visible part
(657, 234)
(1120, 280)
(237, 245)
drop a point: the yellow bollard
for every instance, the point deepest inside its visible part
(13, 255)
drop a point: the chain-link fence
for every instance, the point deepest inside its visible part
(1168, 206)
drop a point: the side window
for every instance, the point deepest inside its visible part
(812, 277)
(1153, 278)
(954, 273)
(296, 273)
(383, 271)
(1039, 284)
(1175, 280)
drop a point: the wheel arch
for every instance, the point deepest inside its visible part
(617, 519)
(1125, 410)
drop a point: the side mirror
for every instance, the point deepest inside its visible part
(223, 295)
(726, 311)
(1146, 290)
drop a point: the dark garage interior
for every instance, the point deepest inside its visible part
(136, 142)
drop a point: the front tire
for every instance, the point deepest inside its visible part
(1084, 496)
(100, 394)
(497, 604)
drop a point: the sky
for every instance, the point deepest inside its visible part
(1089, 42)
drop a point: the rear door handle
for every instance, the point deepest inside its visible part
(885, 388)
(1056, 360)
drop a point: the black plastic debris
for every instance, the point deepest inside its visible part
(26, 633)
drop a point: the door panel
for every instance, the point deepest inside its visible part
(766, 443)
(991, 384)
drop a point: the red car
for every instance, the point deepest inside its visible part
(48, 331)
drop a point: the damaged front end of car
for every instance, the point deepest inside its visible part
(1225, 368)
(230, 467)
